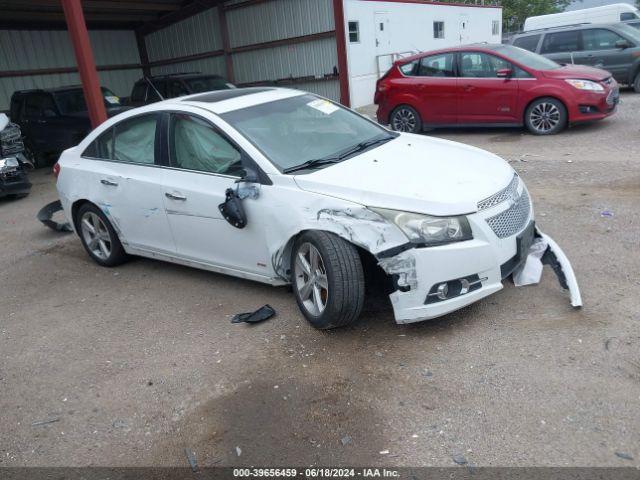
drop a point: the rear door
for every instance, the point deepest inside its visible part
(599, 50)
(127, 182)
(483, 97)
(561, 46)
(435, 84)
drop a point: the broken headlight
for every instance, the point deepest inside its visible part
(427, 230)
(8, 164)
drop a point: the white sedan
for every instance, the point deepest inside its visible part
(284, 187)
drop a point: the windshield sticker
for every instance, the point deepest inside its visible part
(323, 106)
(112, 99)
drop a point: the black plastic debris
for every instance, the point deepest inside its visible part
(45, 216)
(46, 421)
(260, 315)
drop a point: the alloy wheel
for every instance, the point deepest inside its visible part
(404, 120)
(311, 279)
(96, 235)
(544, 117)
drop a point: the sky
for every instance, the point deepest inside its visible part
(577, 4)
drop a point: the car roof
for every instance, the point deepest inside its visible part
(180, 76)
(223, 101)
(563, 28)
(67, 88)
(470, 46)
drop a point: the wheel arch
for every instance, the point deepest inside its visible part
(75, 207)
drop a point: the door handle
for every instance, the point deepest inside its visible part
(108, 183)
(173, 196)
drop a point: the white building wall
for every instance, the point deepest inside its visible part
(408, 28)
(40, 49)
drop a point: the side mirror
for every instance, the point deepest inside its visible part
(622, 44)
(250, 176)
(232, 210)
(504, 73)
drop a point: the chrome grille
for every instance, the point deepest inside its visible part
(510, 191)
(513, 219)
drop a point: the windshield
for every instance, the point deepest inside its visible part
(305, 128)
(527, 58)
(72, 101)
(207, 84)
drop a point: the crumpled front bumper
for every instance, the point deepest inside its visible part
(473, 270)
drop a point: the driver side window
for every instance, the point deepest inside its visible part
(194, 144)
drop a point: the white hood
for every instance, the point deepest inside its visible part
(414, 173)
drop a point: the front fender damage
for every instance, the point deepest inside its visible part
(545, 251)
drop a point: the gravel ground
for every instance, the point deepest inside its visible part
(135, 364)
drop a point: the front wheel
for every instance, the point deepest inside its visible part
(545, 116)
(406, 119)
(636, 83)
(328, 280)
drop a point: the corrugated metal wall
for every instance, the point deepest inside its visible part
(250, 25)
(30, 50)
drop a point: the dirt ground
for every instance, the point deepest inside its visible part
(130, 366)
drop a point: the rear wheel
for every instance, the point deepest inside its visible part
(545, 116)
(636, 83)
(99, 237)
(328, 280)
(406, 119)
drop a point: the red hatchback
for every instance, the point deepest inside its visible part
(497, 85)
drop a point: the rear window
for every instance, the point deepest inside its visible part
(528, 43)
(560, 42)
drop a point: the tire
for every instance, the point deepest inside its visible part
(405, 119)
(104, 247)
(636, 83)
(545, 116)
(336, 292)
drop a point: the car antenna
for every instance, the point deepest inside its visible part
(154, 87)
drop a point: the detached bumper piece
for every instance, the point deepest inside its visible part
(45, 216)
(545, 251)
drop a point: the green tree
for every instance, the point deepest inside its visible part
(515, 12)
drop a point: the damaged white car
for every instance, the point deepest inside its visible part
(284, 187)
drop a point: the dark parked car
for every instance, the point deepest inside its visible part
(53, 120)
(499, 85)
(613, 47)
(153, 89)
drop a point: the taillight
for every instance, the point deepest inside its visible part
(56, 170)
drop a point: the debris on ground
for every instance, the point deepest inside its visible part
(346, 440)
(459, 459)
(260, 315)
(238, 451)
(384, 452)
(46, 421)
(607, 214)
(45, 216)
(118, 423)
(624, 456)
(191, 458)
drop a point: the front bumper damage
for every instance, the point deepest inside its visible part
(474, 270)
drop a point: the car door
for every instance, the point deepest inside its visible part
(41, 123)
(483, 97)
(435, 84)
(599, 50)
(127, 179)
(204, 164)
(561, 46)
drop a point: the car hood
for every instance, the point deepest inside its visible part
(414, 173)
(582, 72)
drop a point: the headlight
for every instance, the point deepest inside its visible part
(585, 85)
(428, 230)
(8, 164)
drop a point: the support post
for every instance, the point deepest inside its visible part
(341, 45)
(86, 63)
(226, 44)
(144, 55)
